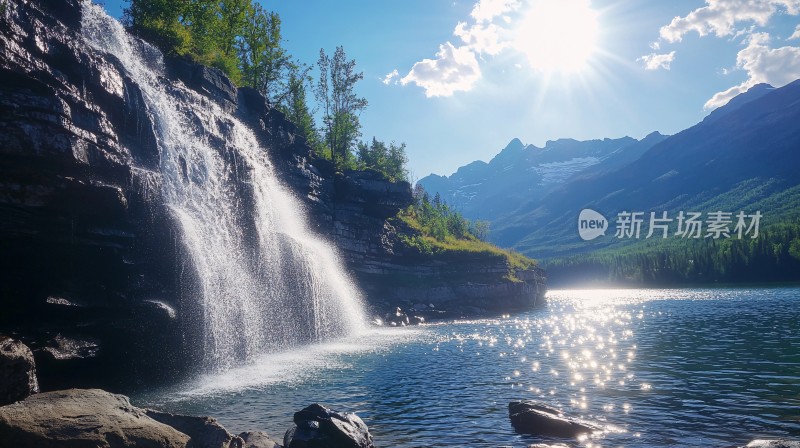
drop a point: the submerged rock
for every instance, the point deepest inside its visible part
(319, 427)
(17, 371)
(531, 417)
(83, 418)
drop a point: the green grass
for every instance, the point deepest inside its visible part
(418, 237)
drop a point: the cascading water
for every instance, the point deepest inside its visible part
(265, 282)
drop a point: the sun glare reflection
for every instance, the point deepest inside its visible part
(584, 353)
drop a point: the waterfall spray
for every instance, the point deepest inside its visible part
(265, 281)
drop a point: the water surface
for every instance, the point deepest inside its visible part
(681, 367)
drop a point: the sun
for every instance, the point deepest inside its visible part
(558, 35)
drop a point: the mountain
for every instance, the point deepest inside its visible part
(744, 156)
(521, 173)
(753, 93)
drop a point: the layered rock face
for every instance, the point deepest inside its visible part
(354, 210)
(391, 273)
(84, 237)
(92, 274)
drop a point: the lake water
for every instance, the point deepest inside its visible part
(679, 367)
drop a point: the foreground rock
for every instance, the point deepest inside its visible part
(257, 439)
(203, 432)
(83, 418)
(777, 443)
(531, 417)
(319, 427)
(17, 371)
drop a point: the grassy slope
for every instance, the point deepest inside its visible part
(416, 237)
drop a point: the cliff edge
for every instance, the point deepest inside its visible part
(92, 274)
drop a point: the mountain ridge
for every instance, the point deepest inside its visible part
(525, 171)
(746, 143)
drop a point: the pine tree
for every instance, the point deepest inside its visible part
(341, 106)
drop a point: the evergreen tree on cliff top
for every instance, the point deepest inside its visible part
(341, 107)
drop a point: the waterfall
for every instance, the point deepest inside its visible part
(265, 281)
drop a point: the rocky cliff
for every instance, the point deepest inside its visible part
(92, 268)
(83, 273)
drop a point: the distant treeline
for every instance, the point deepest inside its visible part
(244, 40)
(772, 257)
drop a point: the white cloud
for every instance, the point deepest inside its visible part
(390, 77)
(654, 61)
(481, 38)
(796, 34)
(721, 16)
(775, 66)
(456, 68)
(487, 10)
(453, 70)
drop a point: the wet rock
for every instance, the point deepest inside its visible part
(17, 371)
(206, 80)
(319, 427)
(258, 439)
(160, 310)
(775, 443)
(397, 318)
(62, 348)
(530, 417)
(203, 432)
(83, 418)
(84, 235)
(59, 301)
(417, 320)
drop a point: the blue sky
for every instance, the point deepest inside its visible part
(472, 75)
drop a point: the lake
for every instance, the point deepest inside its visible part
(656, 367)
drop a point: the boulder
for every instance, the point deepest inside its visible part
(258, 439)
(83, 418)
(531, 417)
(17, 371)
(319, 427)
(203, 432)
